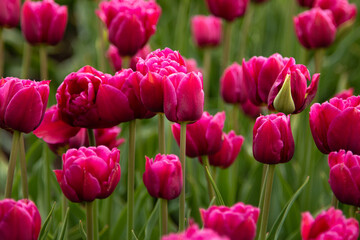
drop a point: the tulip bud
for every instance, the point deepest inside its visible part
(306, 3)
(227, 9)
(232, 85)
(283, 101)
(250, 109)
(341, 10)
(9, 13)
(194, 233)
(206, 30)
(345, 93)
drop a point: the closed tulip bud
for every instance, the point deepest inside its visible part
(330, 224)
(229, 151)
(273, 141)
(341, 10)
(89, 173)
(183, 97)
(194, 233)
(227, 9)
(22, 103)
(315, 28)
(206, 30)
(163, 176)
(232, 85)
(335, 125)
(289, 93)
(345, 93)
(9, 13)
(250, 109)
(237, 222)
(19, 220)
(306, 3)
(43, 21)
(203, 137)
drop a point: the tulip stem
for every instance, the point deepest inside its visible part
(180, 23)
(89, 221)
(206, 164)
(65, 205)
(43, 63)
(352, 211)
(334, 201)
(1, 53)
(235, 117)
(227, 45)
(319, 56)
(206, 78)
(244, 31)
(131, 173)
(126, 62)
(161, 127)
(100, 46)
(46, 172)
(23, 167)
(26, 60)
(267, 198)
(12, 164)
(92, 140)
(164, 216)
(182, 160)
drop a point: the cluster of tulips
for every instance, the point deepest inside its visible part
(83, 129)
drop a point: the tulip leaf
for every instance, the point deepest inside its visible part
(219, 199)
(145, 232)
(61, 235)
(45, 228)
(82, 230)
(284, 212)
(134, 235)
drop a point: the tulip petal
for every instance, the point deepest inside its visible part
(214, 133)
(91, 188)
(68, 191)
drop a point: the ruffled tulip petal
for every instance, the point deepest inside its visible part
(68, 191)
(152, 83)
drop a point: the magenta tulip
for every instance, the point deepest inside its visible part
(345, 93)
(330, 224)
(335, 125)
(306, 3)
(43, 22)
(163, 176)
(192, 66)
(227, 9)
(19, 220)
(237, 222)
(22, 103)
(206, 30)
(131, 23)
(273, 141)
(315, 28)
(341, 9)
(89, 173)
(194, 233)
(9, 13)
(232, 85)
(203, 137)
(250, 109)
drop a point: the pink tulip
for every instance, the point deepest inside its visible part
(335, 125)
(22, 103)
(19, 220)
(306, 3)
(192, 65)
(345, 93)
(108, 137)
(203, 137)
(227, 9)
(163, 176)
(131, 23)
(9, 13)
(89, 173)
(250, 109)
(194, 233)
(330, 224)
(315, 28)
(237, 222)
(206, 30)
(232, 85)
(43, 22)
(341, 9)
(273, 141)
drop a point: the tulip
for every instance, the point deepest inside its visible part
(9, 13)
(341, 9)
(206, 30)
(203, 137)
(232, 85)
(306, 3)
(237, 222)
(194, 233)
(335, 125)
(315, 28)
(163, 176)
(250, 109)
(345, 93)
(227, 9)
(43, 22)
(89, 173)
(259, 1)
(192, 66)
(273, 141)
(330, 224)
(22, 103)
(130, 23)
(260, 74)
(289, 93)
(19, 220)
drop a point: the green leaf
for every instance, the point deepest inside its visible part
(147, 229)
(82, 230)
(45, 228)
(219, 199)
(61, 235)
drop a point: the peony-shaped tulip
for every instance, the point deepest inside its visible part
(273, 141)
(163, 176)
(335, 125)
(206, 30)
(130, 23)
(43, 22)
(229, 151)
(89, 173)
(315, 28)
(260, 74)
(19, 220)
(306, 3)
(330, 224)
(203, 137)
(344, 176)
(227, 9)
(85, 99)
(345, 93)
(232, 85)
(290, 93)
(237, 222)
(194, 233)
(341, 10)
(9, 13)
(22, 103)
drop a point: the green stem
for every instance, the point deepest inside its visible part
(101, 46)
(46, 172)
(161, 125)
(43, 63)
(227, 45)
(26, 60)
(180, 23)
(352, 211)
(182, 160)
(1, 53)
(164, 216)
(288, 39)
(235, 118)
(244, 31)
(206, 78)
(91, 135)
(23, 167)
(267, 198)
(89, 221)
(65, 205)
(126, 62)
(334, 201)
(131, 175)
(12, 164)
(211, 192)
(319, 56)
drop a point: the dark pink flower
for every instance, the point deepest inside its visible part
(9, 13)
(330, 224)
(194, 233)
(345, 93)
(206, 30)
(341, 10)
(227, 9)
(192, 65)
(232, 85)
(306, 3)
(259, 1)
(250, 109)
